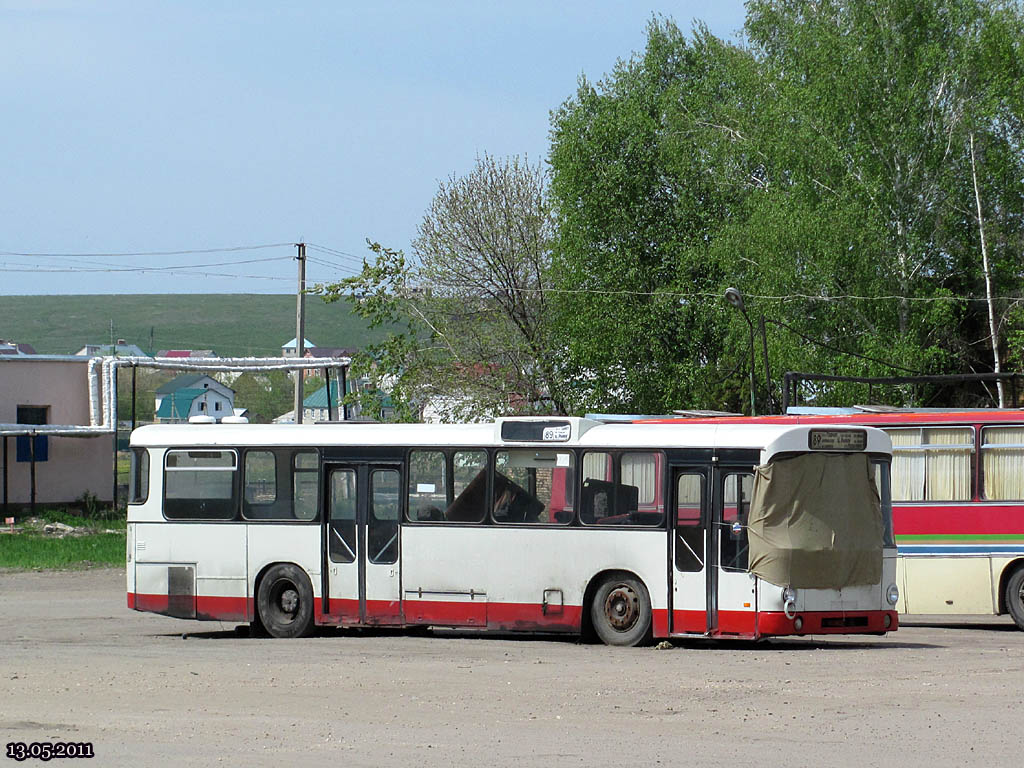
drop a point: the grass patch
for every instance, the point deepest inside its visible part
(92, 543)
(36, 551)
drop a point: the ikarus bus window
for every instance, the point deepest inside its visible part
(932, 463)
(530, 486)
(1002, 463)
(200, 484)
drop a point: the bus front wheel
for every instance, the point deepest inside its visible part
(621, 611)
(285, 602)
(1015, 596)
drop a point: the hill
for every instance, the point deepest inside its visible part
(232, 325)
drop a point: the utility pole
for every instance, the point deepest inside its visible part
(300, 328)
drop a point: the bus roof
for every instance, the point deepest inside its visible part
(685, 433)
(888, 418)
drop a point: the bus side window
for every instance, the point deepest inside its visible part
(1002, 463)
(280, 484)
(260, 483)
(428, 491)
(305, 484)
(139, 491)
(530, 486)
(690, 504)
(736, 506)
(200, 485)
(597, 501)
(932, 463)
(469, 487)
(342, 533)
(642, 471)
(384, 513)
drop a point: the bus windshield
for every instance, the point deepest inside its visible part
(816, 521)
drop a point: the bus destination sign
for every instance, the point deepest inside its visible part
(837, 440)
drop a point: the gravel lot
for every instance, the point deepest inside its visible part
(77, 665)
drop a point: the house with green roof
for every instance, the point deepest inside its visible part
(193, 395)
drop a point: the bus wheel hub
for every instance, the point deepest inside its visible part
(622, 608)
(289, 601)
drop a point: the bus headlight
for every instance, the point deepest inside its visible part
(892, 594)
(789, 602)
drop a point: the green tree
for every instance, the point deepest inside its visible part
(268, 394)
(642, 170)
(470, 309)
(888, 100)
(825, 168)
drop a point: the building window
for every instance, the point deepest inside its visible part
(32, 448)
(33, 414)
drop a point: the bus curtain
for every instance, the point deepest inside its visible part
(816, 522)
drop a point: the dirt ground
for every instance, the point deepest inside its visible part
(77, 665)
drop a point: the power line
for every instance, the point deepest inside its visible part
(331, 265)
(336, 252)
(150, 253)
(52, 269)
(680, 295)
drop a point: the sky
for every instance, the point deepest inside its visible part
(137, 127)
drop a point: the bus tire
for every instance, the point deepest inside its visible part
(285, 602)
(1014, 596)
(621, 611)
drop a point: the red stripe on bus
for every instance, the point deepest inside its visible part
(827, 622)
(955, 518)
(691, 622)
(742, 623)
(522, 616)
(202, 606)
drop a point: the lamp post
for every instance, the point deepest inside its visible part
(734, 297)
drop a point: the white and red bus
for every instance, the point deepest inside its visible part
(958, 498)
(569, 525)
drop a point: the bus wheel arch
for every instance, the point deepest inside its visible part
(617, 609)
(1011, 592)
(284, 601)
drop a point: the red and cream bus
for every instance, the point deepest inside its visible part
(958, 497)
(572, 525)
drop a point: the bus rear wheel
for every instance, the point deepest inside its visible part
(285, 602)
(621, 611)
(1015, 596)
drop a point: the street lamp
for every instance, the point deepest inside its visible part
(734, 297)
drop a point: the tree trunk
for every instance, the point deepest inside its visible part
(988, 282)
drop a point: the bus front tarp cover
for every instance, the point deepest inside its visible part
(816, 522)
